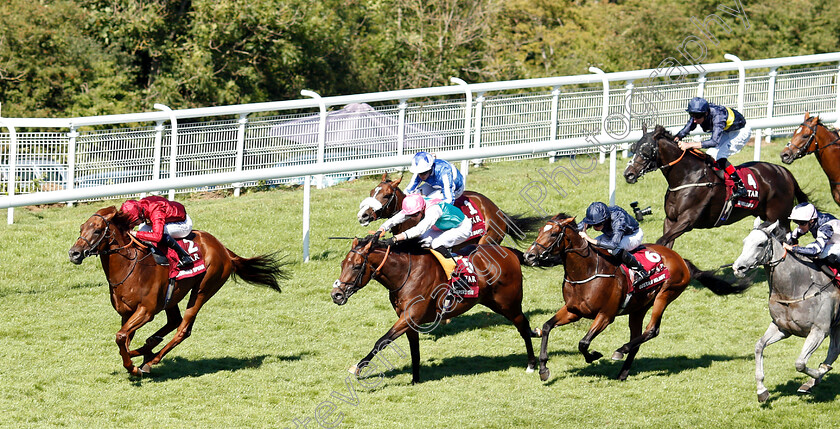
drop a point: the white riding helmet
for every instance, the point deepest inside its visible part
(803, 212)
(422, 162)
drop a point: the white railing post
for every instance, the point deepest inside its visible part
(157, 151)
(555, 104)
(742, 77)
(322, 132)
(771, 98)
(71, 160)
(604, 113)
(465, 165)
(307, 190)
(837, 100)
(628, 112)
(701, 85)
(173, 151)
(12, 160)
(479, 107)
(240, 150)
(401, 126)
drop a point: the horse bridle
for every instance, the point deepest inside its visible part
(92, 249)
(357, 282)
(562, 233)
(766, 257)
(392, 198)
(801, 151)
(650, 164)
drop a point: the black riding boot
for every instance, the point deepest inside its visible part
(740, 190)
(184, 259)
(443, 250)
(628, 260)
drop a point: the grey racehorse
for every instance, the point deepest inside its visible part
(803, 302)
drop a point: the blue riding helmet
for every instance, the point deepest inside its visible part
(596, 213)
(422, 162)
(698, 105)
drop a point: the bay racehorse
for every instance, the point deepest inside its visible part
(804, 302)
(139, 286)
(417, 287)
(814, 137)
(386, 200)
(696, 195)
(595, 287)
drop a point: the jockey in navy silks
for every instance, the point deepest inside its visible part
(620, 233)
(730, 133)
(435, 178)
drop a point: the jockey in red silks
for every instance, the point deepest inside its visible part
(163, 221)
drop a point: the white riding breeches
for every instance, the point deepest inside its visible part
(435, 238)
(731, 142)
(174, 229)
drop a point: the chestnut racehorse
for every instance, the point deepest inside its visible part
(138, 285)
(814, 137)
(595, 287)
(417, 287)
(386, 200)
(696, 195)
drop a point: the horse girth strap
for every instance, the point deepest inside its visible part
(695, 185)
(787, 302)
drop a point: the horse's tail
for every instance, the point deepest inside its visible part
(265, 270)
(519, 224)
(716, 284)
(801, 196)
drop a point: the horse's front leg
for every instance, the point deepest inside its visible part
(387, 341)
(770, 336)
(562, 317)
(140, 317)
(812, 342)
(671, 229)
(602, 320)
(173, 319)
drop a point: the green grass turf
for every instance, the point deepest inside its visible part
(261, 359)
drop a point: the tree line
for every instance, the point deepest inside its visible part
(62, 58)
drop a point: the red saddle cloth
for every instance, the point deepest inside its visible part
(836, 276)
(468, 284)
(197, 266)
(471, 211)
(750, 201)
(652, 262)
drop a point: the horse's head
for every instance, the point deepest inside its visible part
(552, 240)
(356, 269)
(803, 141)
(98, 233)
(646, 153)
(384, 201)
(758, 247)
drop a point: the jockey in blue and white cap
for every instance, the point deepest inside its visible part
(442, 180)
(620, 233)
(824, 227)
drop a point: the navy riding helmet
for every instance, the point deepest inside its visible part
(698, 105)
(596, 213)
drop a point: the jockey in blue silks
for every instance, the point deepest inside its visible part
(620, 233)
(730, 133)
(435, 178)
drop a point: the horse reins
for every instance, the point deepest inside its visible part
(801, 151)
(577, 250)
(358, 280)
(91, 251)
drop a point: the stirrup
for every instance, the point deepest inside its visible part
(640, 278)
(184, 262)
(739, 191)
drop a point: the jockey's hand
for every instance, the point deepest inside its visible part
(787, 247)
(677, 139)
(689, 145)
(389, 242)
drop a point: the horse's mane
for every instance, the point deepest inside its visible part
(661, 131)
(563, 216)
(120, 219)
(778, 233)
(411, 246)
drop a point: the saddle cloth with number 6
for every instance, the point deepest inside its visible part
(652, 262)
(197, 266)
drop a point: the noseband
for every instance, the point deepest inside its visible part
(547, 251)
(766, 257)
(803, 150)
(92, 247)
(357, 282)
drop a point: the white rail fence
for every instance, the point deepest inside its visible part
(289, 141)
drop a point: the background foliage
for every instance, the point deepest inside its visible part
(85, 57)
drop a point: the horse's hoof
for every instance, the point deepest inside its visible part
(536, 333)
(763, 396)
(135, 372)
(146, 368)
(617, 355)
(593, 357)
(804, 389)
(529, 369)
(354, 370)
(544, 374)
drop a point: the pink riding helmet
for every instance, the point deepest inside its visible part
(413, 203)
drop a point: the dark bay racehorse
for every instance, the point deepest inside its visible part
(417, 288)
(386, 200)
(138, 285)
(696, 196)
(594, 287)
(803, 302)
(814, 137)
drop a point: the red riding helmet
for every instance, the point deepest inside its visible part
(131, 208)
